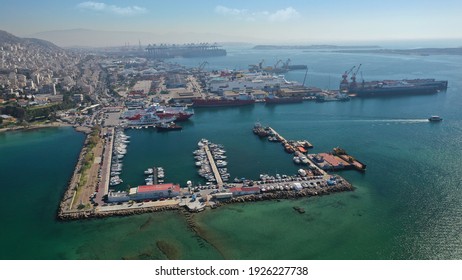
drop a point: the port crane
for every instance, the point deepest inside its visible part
(202, 65)
(304, 79)
(286, 64)
(260, 65)
(344, 83)
(277, 63)
(353, 77)
(256, 68)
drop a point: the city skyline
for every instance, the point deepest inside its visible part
(243, 21)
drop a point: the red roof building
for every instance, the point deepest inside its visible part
(237, 191)
(155, 191)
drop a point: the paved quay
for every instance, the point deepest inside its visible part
(103, 186)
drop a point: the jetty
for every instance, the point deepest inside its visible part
(214, 167)
(319, 163)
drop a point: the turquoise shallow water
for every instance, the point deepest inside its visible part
(406, 206)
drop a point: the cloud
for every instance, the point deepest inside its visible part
(284, 15)
(240, 14)
(243, 14)
(229, 11)
(103, 7)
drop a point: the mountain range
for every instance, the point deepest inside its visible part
(100, 38)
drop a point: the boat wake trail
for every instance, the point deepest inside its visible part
(395, 121)
(380, 121)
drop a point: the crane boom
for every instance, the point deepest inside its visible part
(357, 70)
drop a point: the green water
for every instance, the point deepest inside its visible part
(406, 206)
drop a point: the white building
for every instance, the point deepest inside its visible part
(145, 192)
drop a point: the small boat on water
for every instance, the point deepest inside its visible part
(435, 119)
(168, 126)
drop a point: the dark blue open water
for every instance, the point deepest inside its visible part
(406, 206)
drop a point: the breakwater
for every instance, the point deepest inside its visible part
(96, 213)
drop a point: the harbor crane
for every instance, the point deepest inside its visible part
(344, 83)
(256, 68)
(345, 75)
(286, 64)
(260, 65)
(353, 77)
(202, 65)
(304, 79)
(277, 63)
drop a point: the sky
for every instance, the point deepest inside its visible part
(269, 21)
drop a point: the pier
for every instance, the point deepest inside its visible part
(214, 167)
(154, 176)
(337, 160)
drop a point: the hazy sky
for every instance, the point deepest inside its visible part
(268, 20)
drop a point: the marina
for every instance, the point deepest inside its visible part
(156, 195)
(211, 160)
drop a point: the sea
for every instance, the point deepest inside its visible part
(405, 206)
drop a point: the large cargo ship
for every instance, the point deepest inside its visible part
(390, 87)
(241, 100)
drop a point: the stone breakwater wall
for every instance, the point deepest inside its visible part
(345, 186)
(77, 215)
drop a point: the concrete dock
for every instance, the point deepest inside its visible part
(214, 167)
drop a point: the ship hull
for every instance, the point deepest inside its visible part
(365, 92)
(169, 128)
(221, 103)
(180, 117)
(284, 100)
(398, 87)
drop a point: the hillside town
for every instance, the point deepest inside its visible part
(43, 84)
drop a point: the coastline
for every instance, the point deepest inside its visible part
(44, 125)
(34, 126)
